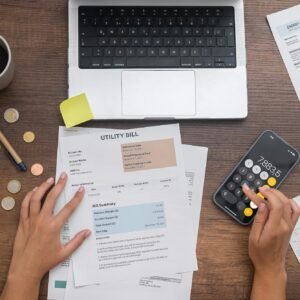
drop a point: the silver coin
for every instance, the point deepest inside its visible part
(11, 115)
(8, 203)
(14, 186)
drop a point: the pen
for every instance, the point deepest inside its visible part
(12, 152)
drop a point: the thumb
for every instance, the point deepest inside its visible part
(259, 222)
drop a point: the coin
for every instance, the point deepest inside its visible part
(11, 115)
(37, 169)
(14, 186)
(28, 137)
(8, 203)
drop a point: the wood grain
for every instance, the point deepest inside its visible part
(37, 32)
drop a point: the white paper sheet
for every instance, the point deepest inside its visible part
(135, 183)
(175, 287)
(195, 162)
(285, 26)
(295, 238)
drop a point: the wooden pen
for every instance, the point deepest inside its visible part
(12, 153)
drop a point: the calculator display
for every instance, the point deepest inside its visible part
(267, 163)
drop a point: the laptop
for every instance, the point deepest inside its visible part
(159, 59)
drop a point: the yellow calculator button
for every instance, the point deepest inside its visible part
(272, 181)
(248, 212)
(260, 196)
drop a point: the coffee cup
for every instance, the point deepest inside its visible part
(7, 68)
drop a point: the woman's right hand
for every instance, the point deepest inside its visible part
(269, 241)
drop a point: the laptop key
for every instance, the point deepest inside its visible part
(98, 51)
(107, 62)
(153, 62)
(88, 42)
(226, 21)
(223, 51)
(84, 52)
(85, 63)
(96, 62)
(88, 31)
(119, 62)
(186, 62)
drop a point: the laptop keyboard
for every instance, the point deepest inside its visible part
(127, 37)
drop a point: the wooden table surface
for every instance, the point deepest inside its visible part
(37, 32)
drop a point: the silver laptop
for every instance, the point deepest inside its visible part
(159, 59)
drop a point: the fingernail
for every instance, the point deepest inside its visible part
(246, 187)
(261, 207)
(63, 175)
(263, 188)
(81, 189)
(50, 180)
(87, 233)
(35, 189)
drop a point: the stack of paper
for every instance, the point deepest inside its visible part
(285, 26)
(142, 204)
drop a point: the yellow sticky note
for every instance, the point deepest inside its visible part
(76, 110)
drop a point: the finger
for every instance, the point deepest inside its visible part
(251, 195)
(70, 207)
(38, 195)
(54, 194)
(287, 208)
(275, 204)
(259, 222)
(295, 212)
(75, 243)
(24, 213)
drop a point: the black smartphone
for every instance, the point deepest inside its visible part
(267, 163)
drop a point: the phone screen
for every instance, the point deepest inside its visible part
(268, 162)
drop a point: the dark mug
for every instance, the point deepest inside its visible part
(7, 68)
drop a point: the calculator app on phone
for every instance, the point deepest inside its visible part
(267, 163)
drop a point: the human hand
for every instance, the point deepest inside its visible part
(269, 240)
(38, 247)
(271, 230)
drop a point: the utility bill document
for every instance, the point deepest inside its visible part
(135, 184)
(285, 26)
(172, 287)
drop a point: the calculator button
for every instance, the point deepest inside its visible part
(264, 175)
(250, 176)
(253, 205)
(230, 186)
(248, 212)
(260, 196)
(272, 181)
(243, 171)
(258, 183)
(245, 182)
(229, 197)
(246, 199)
(237, 178)
(253, 189)
(256, 169)
(241, 205)
(249, 163)
(238, 192)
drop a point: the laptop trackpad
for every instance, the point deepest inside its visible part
(158, 93)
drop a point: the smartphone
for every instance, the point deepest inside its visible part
(267, 163)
